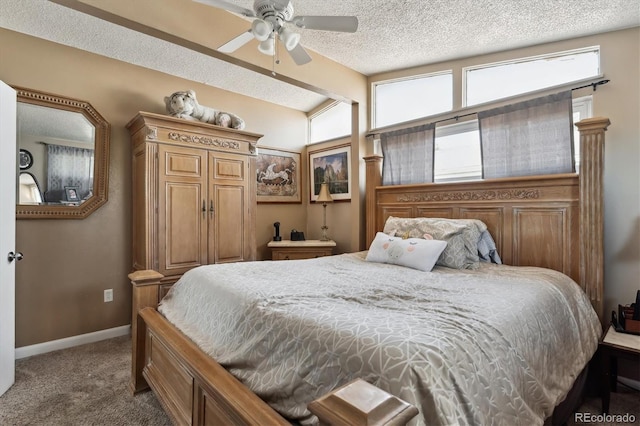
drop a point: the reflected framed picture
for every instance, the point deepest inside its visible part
(333, 166)
(71, 193)
(278, 176)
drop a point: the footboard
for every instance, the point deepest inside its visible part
(181, 377)
(195, 390)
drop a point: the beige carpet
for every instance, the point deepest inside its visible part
(87, 385)
(84, 385)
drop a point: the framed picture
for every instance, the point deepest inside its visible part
(332, 166)
(71, 193)
(278, 176)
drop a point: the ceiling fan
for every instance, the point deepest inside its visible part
(269, 26)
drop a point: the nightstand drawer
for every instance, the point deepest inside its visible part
(295, 250)
(294, 254)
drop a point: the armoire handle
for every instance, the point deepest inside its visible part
(211, 210)
(204, 206)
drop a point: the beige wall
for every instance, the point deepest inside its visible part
(68, 263)
(619, 100)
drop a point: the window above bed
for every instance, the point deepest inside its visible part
(405, 99)
(457, 154)
(490, 82)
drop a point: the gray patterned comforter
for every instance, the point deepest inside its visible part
(498, 345)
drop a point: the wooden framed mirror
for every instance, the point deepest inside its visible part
(64, 146)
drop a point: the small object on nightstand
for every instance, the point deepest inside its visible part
(277, 237)
(615, 345)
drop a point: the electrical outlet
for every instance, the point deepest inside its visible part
(108, 295)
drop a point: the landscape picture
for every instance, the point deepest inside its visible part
(332, 166)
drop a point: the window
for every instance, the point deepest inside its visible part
(488, 82)
(396, 101)
(457, 153)
(330, 123)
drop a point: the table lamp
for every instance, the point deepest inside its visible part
(324, 197)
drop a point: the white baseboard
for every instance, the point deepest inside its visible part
(68, 342)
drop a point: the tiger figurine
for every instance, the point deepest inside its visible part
(185, 105)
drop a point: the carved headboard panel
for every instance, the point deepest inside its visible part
(534, 221)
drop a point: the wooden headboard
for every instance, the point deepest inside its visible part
(551, 221)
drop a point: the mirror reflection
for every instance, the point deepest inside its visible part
(56, 158)
(63, 159)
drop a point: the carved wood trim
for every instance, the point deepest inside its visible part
(373, 177)
(203, 140)
(592, 210)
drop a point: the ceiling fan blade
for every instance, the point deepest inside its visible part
(299, 55)
(222, 4)
(236, 43)
(346, 24)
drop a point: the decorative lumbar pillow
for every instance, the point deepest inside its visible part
(185, 105)
(461, 235)
(416, 253)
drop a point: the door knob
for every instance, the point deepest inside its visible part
(14, 256)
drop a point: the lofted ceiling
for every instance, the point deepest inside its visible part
(392, 35)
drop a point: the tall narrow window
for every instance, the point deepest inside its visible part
(489, 82)
(397, 101)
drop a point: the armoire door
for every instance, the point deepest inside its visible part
(182, 209)
(228, 225)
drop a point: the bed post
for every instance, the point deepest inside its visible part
(591, 210)
(374, 179)
(146, 292)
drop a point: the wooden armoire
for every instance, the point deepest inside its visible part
(194, 194)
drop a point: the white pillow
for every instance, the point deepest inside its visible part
(416, 253)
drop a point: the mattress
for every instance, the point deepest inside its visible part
(496, 345)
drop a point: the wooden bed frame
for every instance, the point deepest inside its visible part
(553, 221)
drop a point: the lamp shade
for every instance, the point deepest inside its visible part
(267, 47)
(324, 196)
(289, 38)
(261, 29)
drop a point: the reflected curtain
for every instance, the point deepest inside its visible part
(408, 155)
(69, 166)
(528, 138)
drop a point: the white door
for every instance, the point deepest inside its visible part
(8, 161)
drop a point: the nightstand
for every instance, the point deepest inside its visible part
(293, 250)
(616, 345)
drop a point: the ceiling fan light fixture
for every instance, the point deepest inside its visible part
(261, 29)
(290, 39)
(267, 46)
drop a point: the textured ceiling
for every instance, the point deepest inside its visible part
(392, 35)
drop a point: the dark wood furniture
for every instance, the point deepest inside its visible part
(548, 221)
(308, 249)
(616, 345)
